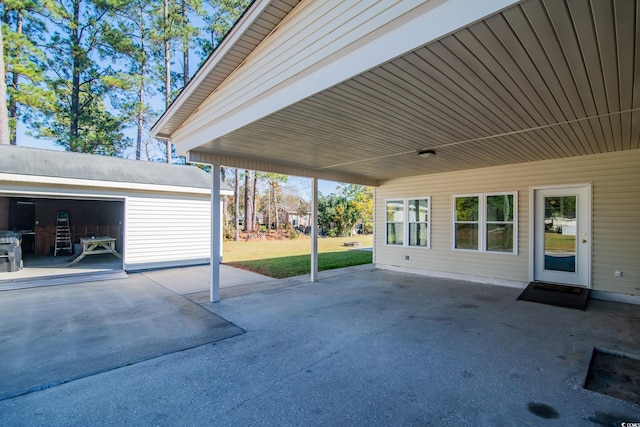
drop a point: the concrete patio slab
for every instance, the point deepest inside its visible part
(188, 280)
(368, 348)
(41, 271)
(57, 334)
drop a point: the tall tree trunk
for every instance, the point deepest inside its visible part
(143, 70)
(254, 216)
(225, 200)
(275, 208)
(185, 44)
(140, 125)
(269, 210)
(74, 113)
(4, 114)
(167, 69)
(236, 204)
(13, 104)
(247, 200)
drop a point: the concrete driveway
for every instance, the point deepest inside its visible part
(363, 347)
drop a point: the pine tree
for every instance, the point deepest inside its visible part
(130, 36)
(79, 120)
(189, 11)
(24, 62)
(4, 115)
(220, 17)
(275, 180)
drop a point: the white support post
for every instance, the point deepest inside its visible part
(216, 235)
(314, 230)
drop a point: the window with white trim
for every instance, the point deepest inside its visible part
(418, 222)
(408, 222)
(395, 222)
(486, 222)
(466, 221)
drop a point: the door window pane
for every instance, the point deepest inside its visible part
(560, 233)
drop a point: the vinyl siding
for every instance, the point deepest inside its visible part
(310, 33)
(316, 46)
(166, 230)
(615, 178)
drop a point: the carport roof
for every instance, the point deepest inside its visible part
(345, 91)
(26, 161)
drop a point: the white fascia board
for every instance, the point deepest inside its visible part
(26, 191)
(220, 52)
(429, 21)
(84, 183)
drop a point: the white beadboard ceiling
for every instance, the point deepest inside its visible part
(543, 79)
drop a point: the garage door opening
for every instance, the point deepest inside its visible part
(34, 220)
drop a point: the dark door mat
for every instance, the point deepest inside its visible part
(554, 294)
(614, 374)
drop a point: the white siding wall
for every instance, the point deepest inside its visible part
(167, 230)
(616, 218)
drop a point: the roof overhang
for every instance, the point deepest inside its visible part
(255, 24)
(353, 92)
(58, 182)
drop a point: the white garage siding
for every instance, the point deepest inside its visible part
(615, 179)
(164, 231)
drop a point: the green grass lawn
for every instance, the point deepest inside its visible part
(286, 258)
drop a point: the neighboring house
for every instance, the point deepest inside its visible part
(294, 217)
(477, 122)
(160, 214)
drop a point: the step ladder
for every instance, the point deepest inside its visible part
(63, 234)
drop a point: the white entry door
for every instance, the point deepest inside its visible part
(562, 235)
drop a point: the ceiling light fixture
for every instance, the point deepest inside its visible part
(426, 153)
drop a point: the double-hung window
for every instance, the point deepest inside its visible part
(486, 222)
(395, 222)
(467, 217)
(408, 222)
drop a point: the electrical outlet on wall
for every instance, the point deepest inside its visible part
(406, 257)
(618, 273)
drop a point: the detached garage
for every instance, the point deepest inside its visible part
(158, 214)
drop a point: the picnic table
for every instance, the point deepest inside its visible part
(95, 246)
